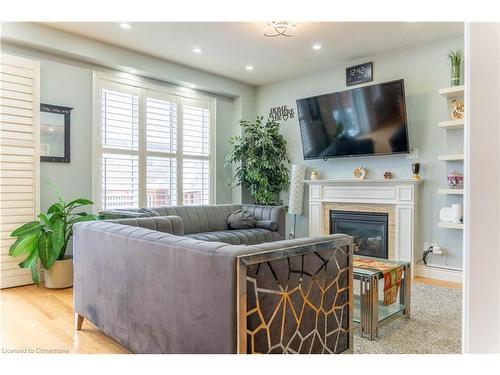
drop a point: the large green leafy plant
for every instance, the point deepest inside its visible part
(46, 239)
(262, 161)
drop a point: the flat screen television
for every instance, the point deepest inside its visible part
(369, 120)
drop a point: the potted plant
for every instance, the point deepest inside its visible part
(261, 158)
(455, 61)
(47, 239)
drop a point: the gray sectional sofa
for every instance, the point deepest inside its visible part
(179, 284)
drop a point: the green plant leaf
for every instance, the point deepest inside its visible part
(56, 207)
(58, 232)
(34, 274)
(45, 251)
(79, 219)
(30, 259)
(45, 219)
(80, 202)
(32, 226)
(24, 244)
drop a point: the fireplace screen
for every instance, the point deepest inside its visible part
(368, 229)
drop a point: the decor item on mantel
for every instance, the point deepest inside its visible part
(360, 173)
(455, 180)
(415, 167)
(455, 57)
(387, 175)
(47, 240)
(457, 111)
(296, 194)
(261, 160)
(315, 175)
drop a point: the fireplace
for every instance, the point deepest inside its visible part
(369, 230)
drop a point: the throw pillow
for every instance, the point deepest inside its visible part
(241, 219)
(267, 224)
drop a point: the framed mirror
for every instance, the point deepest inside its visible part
(55, 133)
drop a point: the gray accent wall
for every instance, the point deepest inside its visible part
(425, 70)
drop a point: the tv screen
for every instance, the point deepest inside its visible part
(369, 120)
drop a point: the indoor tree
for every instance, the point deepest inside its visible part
(261, 160)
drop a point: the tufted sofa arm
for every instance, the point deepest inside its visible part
(266, 213)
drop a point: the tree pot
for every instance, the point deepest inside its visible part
(60, 275)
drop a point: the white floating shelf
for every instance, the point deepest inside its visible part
(451, 191)
(451, 157)
(452, 92)
(452, 124)
(446, 225)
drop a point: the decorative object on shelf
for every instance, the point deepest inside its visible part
(47, 240)
(55, 122)
(446, 214)
(357, 74)
(261, 160)
(387, 175)
(280, 28)
(455, 180)
(457, 213)
(360, 173)
(457, 109)
(282, 113)
(453, 214)
(415, 167)
(315, 175)
(455, 57)
(296, 194)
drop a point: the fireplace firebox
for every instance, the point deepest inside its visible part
(369, 230)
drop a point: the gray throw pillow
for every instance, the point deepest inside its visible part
(267, 224)
(241, 219)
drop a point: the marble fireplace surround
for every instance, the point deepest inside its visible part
(396, 197)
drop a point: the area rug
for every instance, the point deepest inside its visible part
(434, 327)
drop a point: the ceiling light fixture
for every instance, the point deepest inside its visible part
(280, 28)
(197, 50)
(317, 46)
(249, 67)
(125, 25)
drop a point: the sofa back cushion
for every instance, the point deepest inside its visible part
(165, 224)
(198, 219)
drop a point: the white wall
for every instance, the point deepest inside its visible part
(481, 310)
(425, 70)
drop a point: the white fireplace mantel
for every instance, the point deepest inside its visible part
(402, 194)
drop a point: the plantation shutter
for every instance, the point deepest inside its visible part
(119, 148)
(161, 149)
(196, 152)
(19, 158)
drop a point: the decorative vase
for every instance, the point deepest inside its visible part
(60, 275)
(314, 175)
(455, 74)
(415, 167)
(455, 180)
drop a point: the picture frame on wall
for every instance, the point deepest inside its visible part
(55, 123)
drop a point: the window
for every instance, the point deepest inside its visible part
(153, 145)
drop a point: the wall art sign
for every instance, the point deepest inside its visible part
(357, 74)
(282, 113)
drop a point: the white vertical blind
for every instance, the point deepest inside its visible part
(155, 147)
(19, 158)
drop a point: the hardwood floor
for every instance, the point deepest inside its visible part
(43, 319)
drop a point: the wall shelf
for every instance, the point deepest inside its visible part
(451, 191)
(451, 124)
(453, 157)
(447, 225)
(452, 92)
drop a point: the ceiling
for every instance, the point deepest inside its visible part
(228, 47)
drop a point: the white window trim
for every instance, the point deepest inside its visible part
(142, 84)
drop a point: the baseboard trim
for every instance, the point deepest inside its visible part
(430, 272)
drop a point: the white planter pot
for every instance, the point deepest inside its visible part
(60, 275)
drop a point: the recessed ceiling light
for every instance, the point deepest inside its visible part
(317, 46)
(197, 50)
(125, 25)
(51, 129)
(249, 67)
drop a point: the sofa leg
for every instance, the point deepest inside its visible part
(78, 321)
